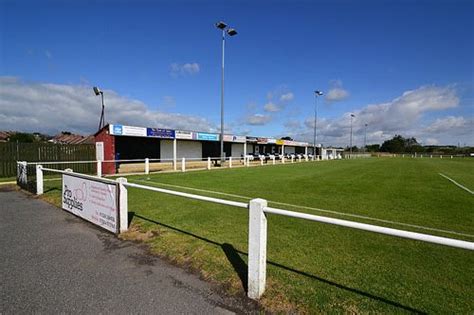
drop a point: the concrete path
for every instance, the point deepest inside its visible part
(53, 262)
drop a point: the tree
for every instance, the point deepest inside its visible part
(373, 147)
(22, 137)
(399, 144)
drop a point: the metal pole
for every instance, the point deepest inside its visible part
(351, 139)
(222, 98)
(365, 138)
(103, 110)
(315, 122)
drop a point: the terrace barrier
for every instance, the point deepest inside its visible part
(258, 210)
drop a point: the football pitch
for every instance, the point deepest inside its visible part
(312, 266)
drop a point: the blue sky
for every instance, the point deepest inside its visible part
(162, 60)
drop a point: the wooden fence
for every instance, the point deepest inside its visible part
(10, 153)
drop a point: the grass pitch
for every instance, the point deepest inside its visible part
(315, 267)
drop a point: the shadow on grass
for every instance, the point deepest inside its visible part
(240, 267)
(51, 189)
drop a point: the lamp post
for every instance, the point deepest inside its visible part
(352, 116)
(97, 91)
(316, 94)
(365, 138)
(231, 32)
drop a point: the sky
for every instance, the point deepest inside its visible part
(401, 67)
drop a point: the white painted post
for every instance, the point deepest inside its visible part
(299, 158)
(306, 151)
(441, 156)
(69, 170)
(147, 166)
(99, 168)
(273, 160)
(292, 159)
(451, 156)
(261, 160)
(245, 151)
(257, 247)
(208, 162)
(283, 149)
(282, 159)
(247, 159)
(183, 164)
(306, 157)
(431, 156)
(175, 164)
(123, 204)
(230, 162)
(39, 180)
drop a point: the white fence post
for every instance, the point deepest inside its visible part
(283, 159)
(441, 156)
(123, 204)
(257, 247)
(248, 161)
(147, 166)
(208, 162)
(299, 158)
(230, 162)
(292, 159)
(39, 180)
(99, 168)
(174, 154)
(183, 164)
(273, 160)
(261, 160)
(306, 157)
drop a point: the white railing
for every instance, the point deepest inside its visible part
(231, 162)
(258, 208)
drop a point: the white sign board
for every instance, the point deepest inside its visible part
(99, 151)
(179, 134)
(91, 200)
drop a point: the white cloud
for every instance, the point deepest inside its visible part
(450, 123)
(48, 54)
(287, 97)
(177, 69)
(272, 107)
(431, 141)
(258, 119)
(336, 92)
(51, 108)
(403, 115)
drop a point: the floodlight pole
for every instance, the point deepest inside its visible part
(316, 94)
(352, 115)
(222, 98)
(365, 138)
(102, 115)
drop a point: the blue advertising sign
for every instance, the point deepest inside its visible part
(160, 133)
(117, 130)
(207, 136)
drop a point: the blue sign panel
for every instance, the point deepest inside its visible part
(207, 136)
(160, 133)
(118, 130)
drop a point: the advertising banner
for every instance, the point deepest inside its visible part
(179, 134)
(207, 136)
(280, 142)
(120, 130)
(271, 141)
(91, 200)
(160, 133)
(231, 138)
(252, 139)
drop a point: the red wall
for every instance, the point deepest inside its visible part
(109, 149)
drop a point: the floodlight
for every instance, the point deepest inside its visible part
(319, 93)
(231, 32)
(352, 115)
(97, 91)
(221, 25)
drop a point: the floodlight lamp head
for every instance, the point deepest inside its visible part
(231, 32)
(352, 115)
(221, 25)
(318, 93)
(97, 91)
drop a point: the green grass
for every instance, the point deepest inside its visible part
(315, 267)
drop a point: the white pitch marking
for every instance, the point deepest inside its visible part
(314, 209)
(457, 184)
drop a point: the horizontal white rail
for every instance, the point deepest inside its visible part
(101, 179)
(374, 228)
(192, 196)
